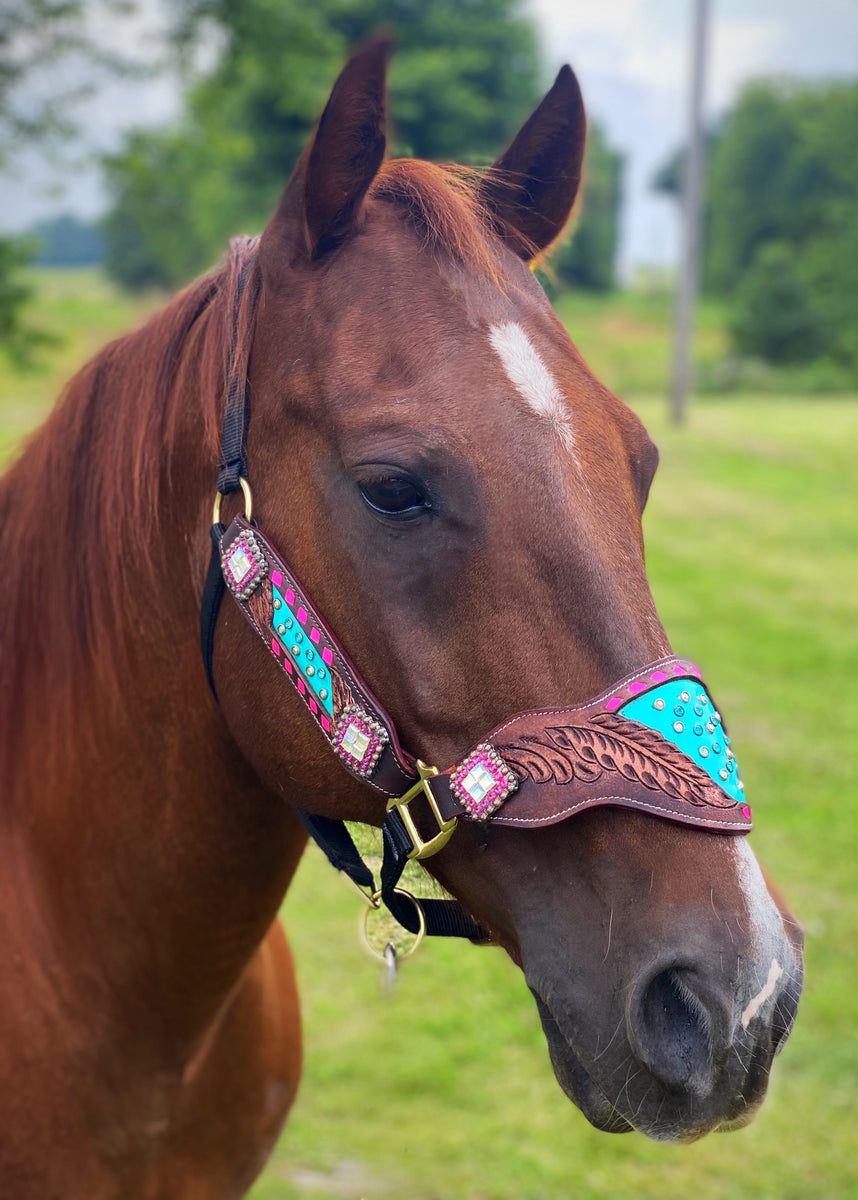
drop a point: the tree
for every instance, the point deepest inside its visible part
(463, 77)
(586, 258)
(782, 225)
(66, 241)
(37, 36)
(772, 316)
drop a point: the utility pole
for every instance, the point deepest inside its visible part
(692, 204)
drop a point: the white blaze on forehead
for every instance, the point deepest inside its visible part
(531, 378)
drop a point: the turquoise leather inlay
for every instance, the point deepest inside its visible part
(304, 653)
(682, 712)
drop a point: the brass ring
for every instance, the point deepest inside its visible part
(374, 907)
(248, 501)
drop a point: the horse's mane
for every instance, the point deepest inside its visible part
(79, 506)
(84, 499)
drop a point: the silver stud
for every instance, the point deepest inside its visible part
(678, 726)
(311, 670)
(703, 751)
(703, 699)
(659, 704)
(729, 752)
(276, 603)
(740, 785)
(296, 650)
(684, 696)
(716, 717)
(281, 629)
(710, 728)
(323, 693)
(724, 774)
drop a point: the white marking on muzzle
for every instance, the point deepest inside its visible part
(767, 990)
(531, 378)
(766, 925)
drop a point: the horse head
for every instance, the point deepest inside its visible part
(463, 500)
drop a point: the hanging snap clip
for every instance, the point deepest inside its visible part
(391, 974)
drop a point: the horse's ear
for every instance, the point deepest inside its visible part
(322, 200)
(531, 188)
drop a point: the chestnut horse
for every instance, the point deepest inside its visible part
(463, 500)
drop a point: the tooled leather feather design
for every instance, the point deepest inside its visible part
(342, 693)
(261, 604)
(612, 743)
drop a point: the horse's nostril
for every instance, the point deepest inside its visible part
(672, 1029)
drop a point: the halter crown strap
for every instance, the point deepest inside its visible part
(236, 417)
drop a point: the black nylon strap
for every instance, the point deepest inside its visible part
(444, 918)
(236, 418)
(210, 605)
(334, 839)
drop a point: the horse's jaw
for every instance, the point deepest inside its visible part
(574, 1079)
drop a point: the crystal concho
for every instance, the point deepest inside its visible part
(359, 740)
(482, 782)
(243, 565)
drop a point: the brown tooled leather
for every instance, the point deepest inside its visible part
(394, 772)
(564, 759)
(570, 759)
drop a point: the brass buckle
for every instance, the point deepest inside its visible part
(445, 828)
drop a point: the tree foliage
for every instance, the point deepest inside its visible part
(37, 39)
(782, 221)
(586, 259)
(66, 241)
(463, 78)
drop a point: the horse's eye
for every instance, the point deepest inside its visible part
(394, 496)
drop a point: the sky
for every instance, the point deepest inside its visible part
(631, 56)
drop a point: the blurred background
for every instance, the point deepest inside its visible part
(136, 137)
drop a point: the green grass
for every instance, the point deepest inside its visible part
(443, 1089)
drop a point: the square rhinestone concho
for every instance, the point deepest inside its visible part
(482, 782)
(243, 564)
(359, 740)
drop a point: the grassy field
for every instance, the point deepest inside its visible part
(443, 1091)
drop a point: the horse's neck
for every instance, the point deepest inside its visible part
(147, 852)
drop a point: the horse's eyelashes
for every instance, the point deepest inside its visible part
(395, 496)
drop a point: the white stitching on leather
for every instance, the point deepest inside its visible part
(622, 800)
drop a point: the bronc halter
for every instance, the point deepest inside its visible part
(653, 741)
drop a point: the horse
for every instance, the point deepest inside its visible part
(463, 500)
